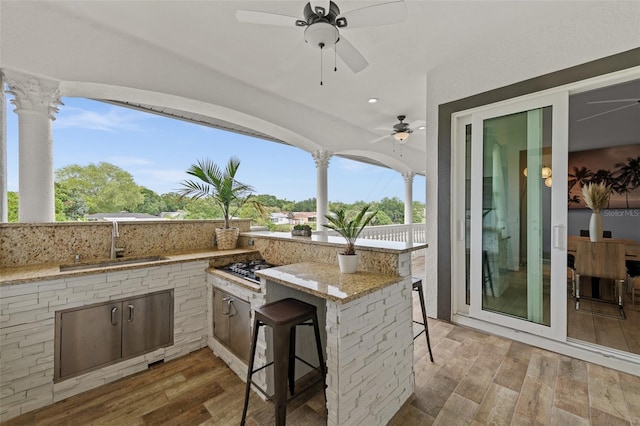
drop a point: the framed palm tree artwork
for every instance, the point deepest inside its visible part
(617, 167)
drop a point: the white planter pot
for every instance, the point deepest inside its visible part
(348, 263)
(595, 227)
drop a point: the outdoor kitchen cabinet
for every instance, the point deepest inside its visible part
(93, 336)
(231, 323)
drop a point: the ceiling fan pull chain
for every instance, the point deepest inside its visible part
(321, 46)
(335, 61)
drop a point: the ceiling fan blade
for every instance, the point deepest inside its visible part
(607, 112)
(253, 17)
(379, 139)
(379, 14)
(324, 4)
(417, 123)
(350, 55)
(614, 100)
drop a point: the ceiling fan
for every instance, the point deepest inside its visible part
(630, 103)
(401, 130)
(322, 19)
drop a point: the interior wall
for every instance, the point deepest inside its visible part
(598, 41)
(623, 223)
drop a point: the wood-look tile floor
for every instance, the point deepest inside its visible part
(476, 379)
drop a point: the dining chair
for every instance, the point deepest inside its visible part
(571, 266)
(585, 233)
(633, 272)
(604, 260)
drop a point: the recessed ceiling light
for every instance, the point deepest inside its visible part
(372, 100)
(422, 127)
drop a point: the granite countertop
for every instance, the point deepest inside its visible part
(325, 280)
(40, 272)
(250, 285)
(319, 238)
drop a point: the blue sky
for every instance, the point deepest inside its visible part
(158, 150)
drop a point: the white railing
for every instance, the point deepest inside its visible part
(394, 233)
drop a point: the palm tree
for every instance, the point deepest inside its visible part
(349, 229)
(628, 176)
(219, 185)
(580, 176)
(606, 177)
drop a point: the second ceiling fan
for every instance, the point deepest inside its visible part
(401, 131)
(323, 21)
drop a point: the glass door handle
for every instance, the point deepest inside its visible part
(558, 237)
(460, 230)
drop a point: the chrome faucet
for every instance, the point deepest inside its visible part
(114, 234)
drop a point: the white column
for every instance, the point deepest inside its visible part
(36, 103)
(321, 157)
(4, 212)
(408, 197)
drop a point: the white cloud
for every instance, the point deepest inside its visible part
(116, 119)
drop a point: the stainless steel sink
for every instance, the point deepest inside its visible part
(111, 262)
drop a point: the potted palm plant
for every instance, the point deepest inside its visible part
(350, 230)
(223, 188)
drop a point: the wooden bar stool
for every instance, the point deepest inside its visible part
(282, 316)
(417, 286)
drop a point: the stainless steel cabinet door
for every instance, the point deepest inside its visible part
(231, 323)
(89, 337)
(146, 323)
(239, 327)
(220, 316)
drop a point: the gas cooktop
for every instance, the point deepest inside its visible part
(246, 269)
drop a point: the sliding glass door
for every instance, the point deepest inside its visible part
(511, 222)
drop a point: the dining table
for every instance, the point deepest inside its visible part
(632, 252)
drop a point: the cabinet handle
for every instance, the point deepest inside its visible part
(114, 319)
(130, 313)
(229, 305)
(226, 299)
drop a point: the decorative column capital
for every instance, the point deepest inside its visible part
(33, 95)
(322, 157)
(408, 177)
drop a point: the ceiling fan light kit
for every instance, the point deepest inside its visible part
(401, 131)
(401, 136)
(322, 20)
(321, 34)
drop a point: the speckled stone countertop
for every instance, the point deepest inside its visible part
(250, 285)
(325, 280)
(24, 274)
(320, 239)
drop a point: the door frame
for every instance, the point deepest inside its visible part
(608, 357)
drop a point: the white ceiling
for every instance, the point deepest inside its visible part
(278, 61)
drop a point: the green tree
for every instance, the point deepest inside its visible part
(104, 187)
(12, 205)
(173, 201)
(393, 207)
(418, 212)
(202, 208)
(268, 200)
(69, 204)
(152, 203)
(308, 205)
(381, 219)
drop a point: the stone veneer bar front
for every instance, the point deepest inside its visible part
(368, 340)
(32, 289)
